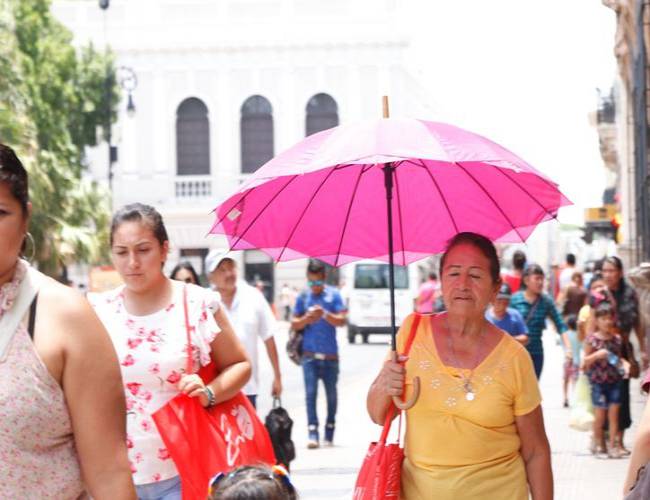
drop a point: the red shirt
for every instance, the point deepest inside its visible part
(513, 281)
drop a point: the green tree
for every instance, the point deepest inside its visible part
(53, 101)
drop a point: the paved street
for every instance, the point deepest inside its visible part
(329, 473)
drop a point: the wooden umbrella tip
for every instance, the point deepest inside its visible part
(386, 110)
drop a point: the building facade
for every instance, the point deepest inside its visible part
(623, 128)
(223, 86)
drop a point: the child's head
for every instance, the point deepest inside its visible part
(572, 322)
(604, 313)
(254, 482)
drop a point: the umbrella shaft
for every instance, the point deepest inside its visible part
(388, 183)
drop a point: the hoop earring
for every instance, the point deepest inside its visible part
(29, 237)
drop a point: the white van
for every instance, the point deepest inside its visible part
(368, 296)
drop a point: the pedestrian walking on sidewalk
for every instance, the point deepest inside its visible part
(147, 322)
(319, 310)
(427, 294)
(476, 431)
(626, 304)
(572, 365)
(505, 317)
(250, 315)
(185, 272)
(606, 369)
(535, 306)
(514, 277)
(61, 401)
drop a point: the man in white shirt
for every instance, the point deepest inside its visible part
(250, 315)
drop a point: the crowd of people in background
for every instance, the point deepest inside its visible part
(593, 313)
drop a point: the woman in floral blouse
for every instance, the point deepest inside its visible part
(145, 319)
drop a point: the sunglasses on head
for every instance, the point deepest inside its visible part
(278, 473)
(316, 282)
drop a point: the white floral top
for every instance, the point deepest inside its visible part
(152, 351)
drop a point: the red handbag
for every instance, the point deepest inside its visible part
(381, 471)
(204, 442)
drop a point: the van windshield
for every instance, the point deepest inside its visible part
(376, 276)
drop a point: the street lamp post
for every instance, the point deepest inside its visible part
(128, 81)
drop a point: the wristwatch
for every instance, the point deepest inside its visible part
(210, 394)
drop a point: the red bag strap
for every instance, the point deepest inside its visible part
(392, 409)
(189, 363)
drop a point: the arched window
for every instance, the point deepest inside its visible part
(256, 133)
(192, 138)
(322, 113)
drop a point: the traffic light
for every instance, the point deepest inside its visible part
(616, 225)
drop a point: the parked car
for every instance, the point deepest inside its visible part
(369, 298)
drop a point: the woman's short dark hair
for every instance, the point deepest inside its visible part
(188, 267)
(13, 173)
(139, 212)
(614, 261)
(252, 482)
(533, 269)
(481, 243)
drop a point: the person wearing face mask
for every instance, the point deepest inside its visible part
(319, 310)
(535, 306)
(147, 322)
(62, 426)
(477, 430)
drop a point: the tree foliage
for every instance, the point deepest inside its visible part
(52, 101)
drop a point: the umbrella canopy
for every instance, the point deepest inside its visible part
(326, 196)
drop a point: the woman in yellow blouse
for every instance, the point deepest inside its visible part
(477, 430)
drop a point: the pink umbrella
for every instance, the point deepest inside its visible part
(326, 197)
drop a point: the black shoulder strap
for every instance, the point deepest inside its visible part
(533, 308)
(32, 317)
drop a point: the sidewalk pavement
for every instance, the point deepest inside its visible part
(330, 473)
(576, 472)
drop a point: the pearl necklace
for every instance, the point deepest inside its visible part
(470, 394)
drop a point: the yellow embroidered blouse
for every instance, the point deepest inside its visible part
(457, 448)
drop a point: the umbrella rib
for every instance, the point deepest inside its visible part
(442, 196)
(347, 215)
(332, 170)
(399, 216)
(259, 214)
(491, 199)
(502, 172)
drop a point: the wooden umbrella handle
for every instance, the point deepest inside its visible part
(385, 109)
(405, 405)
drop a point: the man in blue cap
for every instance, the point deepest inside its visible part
(507, 318)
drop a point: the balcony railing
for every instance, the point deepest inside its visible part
(193, 187)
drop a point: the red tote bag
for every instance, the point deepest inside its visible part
(381, 471)
(203, 442)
